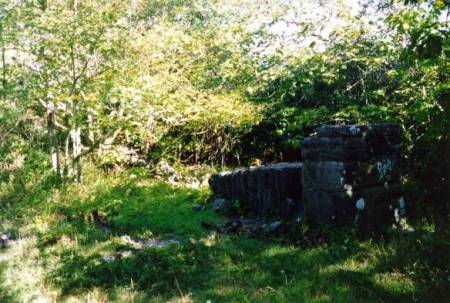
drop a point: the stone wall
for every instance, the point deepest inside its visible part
(351, 173)
(271, 189)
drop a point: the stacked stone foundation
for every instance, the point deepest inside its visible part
(351, 174)
(263, 190)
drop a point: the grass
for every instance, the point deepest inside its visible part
(59, 254)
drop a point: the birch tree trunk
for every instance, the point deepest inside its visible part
(3, 67)
(76, 143)
(76, 153)
(52, 139)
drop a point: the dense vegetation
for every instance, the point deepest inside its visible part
(94, 94)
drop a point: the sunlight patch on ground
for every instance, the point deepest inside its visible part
(394, 281)
(23, 274)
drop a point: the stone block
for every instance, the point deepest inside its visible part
(346, 166)
(270, 189)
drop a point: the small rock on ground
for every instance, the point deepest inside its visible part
(5, 238)
(151, 243)
(220, 205)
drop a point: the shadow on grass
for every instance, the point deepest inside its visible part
(153, 270)
(231, 269)
(243, 270)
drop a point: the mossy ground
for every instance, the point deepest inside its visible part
(57, 254)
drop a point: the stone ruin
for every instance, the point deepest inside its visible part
(261, 190)
(352, 174)
(349, 174)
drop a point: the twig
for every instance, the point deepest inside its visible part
(179, 290)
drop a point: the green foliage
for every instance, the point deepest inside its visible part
(212, 82)
(363, 78)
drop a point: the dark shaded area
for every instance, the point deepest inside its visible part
(351, 174)
(204, 271)
(271, 189)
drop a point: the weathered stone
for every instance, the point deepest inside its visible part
(5, 238)
(108, 259)
(219, 205)
(252, 226)
(150, 243)
(274, 226)
(263, 189)
(344, 176)
(126, 254)
(351, 173)
(346, 149)
(164, 170)
(390, 132)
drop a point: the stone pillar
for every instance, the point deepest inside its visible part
(351, 174)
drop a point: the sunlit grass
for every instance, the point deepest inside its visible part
(59, 257)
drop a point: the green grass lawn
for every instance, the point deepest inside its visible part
(59, 252)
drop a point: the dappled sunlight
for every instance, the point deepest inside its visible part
(116, 118)
(86, 257)
(395, 282)
(22, 274)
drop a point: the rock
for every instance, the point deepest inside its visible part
(251, 226)
(126, 254)
(159, 243)
(197, 208)
(390, 132)
(233, 227)
(250, 221)
(297, 217)
(130, 156)
(408, 230)
(262, 190)
(164, 170)
(108, 259)
(351, 174)
(195, 184)
(192, 182)
(275, 226)
(150, 243)
(220, 205)
(5, 238)
(126, 239)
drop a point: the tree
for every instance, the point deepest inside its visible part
(76, 50)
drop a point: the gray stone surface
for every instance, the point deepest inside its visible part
(220, 205)
(270, 189)
(5, 238)
(344, 165)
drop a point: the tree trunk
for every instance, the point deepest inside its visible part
(3, 68)
(52, 139)
(76, 162)
(67, 169)
(76, 144)
(90, 119)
